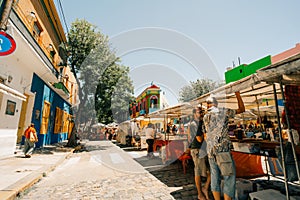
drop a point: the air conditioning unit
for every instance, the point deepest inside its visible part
(9, 30)
(2, 80)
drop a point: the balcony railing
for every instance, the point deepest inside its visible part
(142, 112)
(153, 109)
(27, 28)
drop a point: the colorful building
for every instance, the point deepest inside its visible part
(148, 101)
(36, 85)
(244, 70)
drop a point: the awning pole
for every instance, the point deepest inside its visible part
(165, 127)
(167, 147)
(281, 144)
(259, 116)
(290, 130)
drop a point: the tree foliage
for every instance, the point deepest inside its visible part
(82, 39)
(197, 88)
(97, 72)
(114, 91)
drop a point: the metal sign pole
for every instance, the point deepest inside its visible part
(290, 131)
(281, 144)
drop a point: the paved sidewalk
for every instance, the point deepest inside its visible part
(19, 173)
(167, 181)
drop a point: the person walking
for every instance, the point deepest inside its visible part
(150, 139)
(30, 140)
(218, 146)
(199, 154)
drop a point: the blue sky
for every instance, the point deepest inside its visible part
(193, 39)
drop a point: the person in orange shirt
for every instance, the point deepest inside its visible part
(30, 143)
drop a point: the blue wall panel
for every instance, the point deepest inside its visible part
(44, 92)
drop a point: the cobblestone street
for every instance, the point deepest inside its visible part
(105, 171)
(91, 176)
(139, 186)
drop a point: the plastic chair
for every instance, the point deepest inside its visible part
(183, 157)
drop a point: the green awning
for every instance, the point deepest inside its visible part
(61, 86)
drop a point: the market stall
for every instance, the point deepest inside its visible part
(277, 81)
(171, 145)
(286, 74)
(158, 123)
(123, 130)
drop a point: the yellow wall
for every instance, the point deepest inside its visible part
(52, 33)
(24, 9)
(71, 84)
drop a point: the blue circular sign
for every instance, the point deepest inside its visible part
(7, 44)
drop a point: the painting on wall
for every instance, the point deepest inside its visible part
(10, 108)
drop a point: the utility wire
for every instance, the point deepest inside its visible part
(62, 15)
(61, 10)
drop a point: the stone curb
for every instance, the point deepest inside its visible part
(11, 192)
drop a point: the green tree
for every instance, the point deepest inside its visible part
(123, 94)
(186, 93)
(89, 55)
(197, 88)
(114, 91)
(100, 77)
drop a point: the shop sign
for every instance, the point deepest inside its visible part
(7, 44)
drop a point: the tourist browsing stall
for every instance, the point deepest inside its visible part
(172, 144)
(266, 94)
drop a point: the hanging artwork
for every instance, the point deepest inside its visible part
(10, 108)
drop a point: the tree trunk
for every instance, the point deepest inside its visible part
(5, 14)
(72, 142)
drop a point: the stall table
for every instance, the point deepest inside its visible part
(250, 151)
(171, 149)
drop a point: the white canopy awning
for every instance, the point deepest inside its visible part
(257, 86)
(286, 71)
(251, 89)
(112, 125)
(98, 125)
(12, 92)
(266, 110)
(178, 110)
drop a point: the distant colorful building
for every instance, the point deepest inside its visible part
(244, 70)
(148, 101)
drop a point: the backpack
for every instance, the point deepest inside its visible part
(192, 139)
(188, 131)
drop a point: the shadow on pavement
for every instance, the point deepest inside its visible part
(47, 149)
(96, 148)
(172, 175)
(149, 162)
